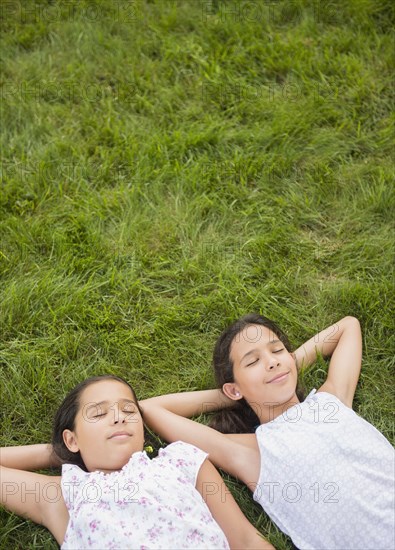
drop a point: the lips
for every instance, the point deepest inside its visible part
(279, 378)
(119, 435)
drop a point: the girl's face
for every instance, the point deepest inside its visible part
(264, 372)
(108, 426)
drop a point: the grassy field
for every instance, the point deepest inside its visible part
(171, 165)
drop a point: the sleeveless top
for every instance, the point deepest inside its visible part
(327, 477)
(150, 503)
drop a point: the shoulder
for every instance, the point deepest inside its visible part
(71, 473)
(329, 391)
(181, 460)
(180, 448)
(182, 454)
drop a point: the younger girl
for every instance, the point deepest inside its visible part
(110, 494)
(323, 474)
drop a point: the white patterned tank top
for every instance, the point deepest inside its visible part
(327, 477)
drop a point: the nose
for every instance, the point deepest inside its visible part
(119, 416)
(272, 362)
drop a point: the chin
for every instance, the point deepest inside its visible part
(292, 395)
(285, 395)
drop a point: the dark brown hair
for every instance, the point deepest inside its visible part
(241, 418)
(65, 418)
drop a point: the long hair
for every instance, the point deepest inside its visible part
(241, 418)
(66, 414)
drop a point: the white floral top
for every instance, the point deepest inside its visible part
(150, 503)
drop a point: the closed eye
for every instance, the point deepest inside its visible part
(278, 350)
(129, 412)
(252, 363)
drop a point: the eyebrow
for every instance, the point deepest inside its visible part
(105, 402)
(256, 349)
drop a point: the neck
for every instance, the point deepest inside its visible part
(267, 412)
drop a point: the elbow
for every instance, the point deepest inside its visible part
(352, 321)
(149, 410)
(352, 327)
(148, 405)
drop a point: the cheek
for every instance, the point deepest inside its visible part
(248, 378)
(91, 436)
(244, 379)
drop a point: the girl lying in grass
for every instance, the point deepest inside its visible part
(323, 474)
(110, 494)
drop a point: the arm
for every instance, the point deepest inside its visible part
(323, 343)
(28, 457)
(163, 414)
(191, 403)
(226, 512)
(36, 497)
(342, 341)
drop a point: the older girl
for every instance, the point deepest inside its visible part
(323, 474)
(110, 494)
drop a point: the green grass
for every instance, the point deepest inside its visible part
(169, 166)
